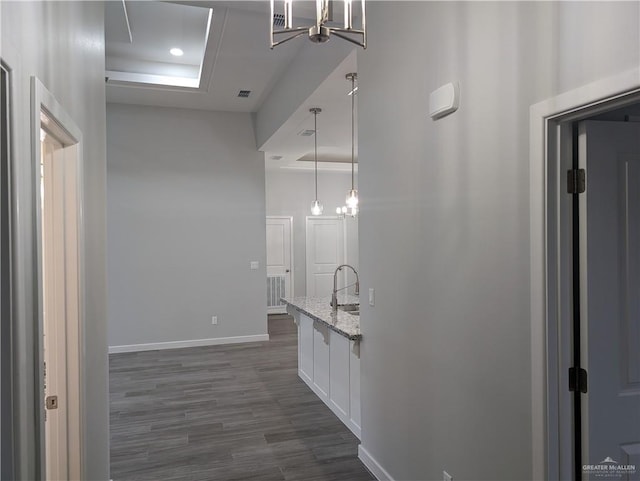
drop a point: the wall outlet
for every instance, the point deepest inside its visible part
(214, 320)
(254, 265)
(446, 476)
(372, 296)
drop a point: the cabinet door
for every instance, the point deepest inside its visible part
(305, 348)
(354, 379)
(339, 382)
(321, 361)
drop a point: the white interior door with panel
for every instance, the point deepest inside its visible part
(610, 293)
(325, 244)
(279, 262)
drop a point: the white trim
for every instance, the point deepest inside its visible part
(154, 346)
(372, 465)
(70, 133)
(292, 266)
(543, 156)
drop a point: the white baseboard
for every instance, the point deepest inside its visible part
(373, 465)
(154, 346)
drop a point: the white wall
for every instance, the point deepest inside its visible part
(445, 221)
(63, 44)
(309, 68)
(290, 193)
(186, 216)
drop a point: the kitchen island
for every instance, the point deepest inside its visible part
(329, 353)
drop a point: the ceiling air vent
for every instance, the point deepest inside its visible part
(275, 157)
(306, 132)
(278, 20)
(244, 93)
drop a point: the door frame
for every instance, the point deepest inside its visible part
(291, 256)
(6, 279)
(550, 156)
(66, 129)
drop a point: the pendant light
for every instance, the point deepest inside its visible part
(316, 206)
(352, 196)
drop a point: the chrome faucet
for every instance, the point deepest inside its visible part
(334, 295)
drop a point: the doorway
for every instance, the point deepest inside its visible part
(57, 143)
(607, 327)
(279, 262)
(586, 407)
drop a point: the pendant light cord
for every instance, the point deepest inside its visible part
(315, 147)
(353, 94)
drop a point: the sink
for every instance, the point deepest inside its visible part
(353, 309)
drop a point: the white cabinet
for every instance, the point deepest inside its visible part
(340, 373)
(321, 360)
(305, 349)
(329, 364)
(354, 378)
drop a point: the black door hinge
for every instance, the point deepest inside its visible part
(576, 183)
(577, 379)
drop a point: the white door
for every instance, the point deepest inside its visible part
(61, 307)
(325, 252)
(610, 293)
(54, 307)
(279, 262)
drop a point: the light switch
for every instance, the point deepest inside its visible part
(254, 265)
(372, 296)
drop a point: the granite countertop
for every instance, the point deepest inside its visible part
(319, 309)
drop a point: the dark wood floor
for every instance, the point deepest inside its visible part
(225, 413)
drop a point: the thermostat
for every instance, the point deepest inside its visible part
(444, 100)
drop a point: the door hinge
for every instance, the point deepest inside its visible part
(577, 379)
(576, 183)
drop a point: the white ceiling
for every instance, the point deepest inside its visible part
(158, 26)
(237, 57)
(334, 126)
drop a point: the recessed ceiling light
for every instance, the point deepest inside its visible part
(176, 52)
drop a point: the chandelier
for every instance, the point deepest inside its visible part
(321, 31)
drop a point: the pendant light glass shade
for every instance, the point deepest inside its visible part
(352, 198)
(316, 207)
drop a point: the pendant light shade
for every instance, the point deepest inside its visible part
(316, 205)
(352, 198)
